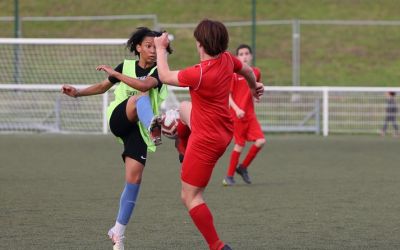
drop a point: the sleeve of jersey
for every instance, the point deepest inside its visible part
(258, 74)
(237, 65)
(119, 68)
(189, 77)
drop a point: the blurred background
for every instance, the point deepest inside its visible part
(310, 42)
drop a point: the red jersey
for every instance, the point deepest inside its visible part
(242, 96)
(209, 83)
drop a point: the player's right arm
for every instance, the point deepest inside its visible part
(239, 112)
(141, 85)
(166, 75)
(95, 89)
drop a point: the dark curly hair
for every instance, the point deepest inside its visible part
(138, 36)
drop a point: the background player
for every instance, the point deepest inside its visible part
(246, 125)
(210, 122)
(391, 112)
(135, 77)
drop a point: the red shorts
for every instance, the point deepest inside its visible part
(200, 159)
(247, 130)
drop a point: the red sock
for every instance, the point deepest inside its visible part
(250, 155)
(183, 129)
(203, 220)
(218, 245)
(183, 136)
(233, 163)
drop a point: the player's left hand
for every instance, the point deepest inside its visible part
(258, 91)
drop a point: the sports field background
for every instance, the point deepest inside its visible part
(309, 192)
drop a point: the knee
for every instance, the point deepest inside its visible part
(184, 104)
(133, 178)
(238, 148)
(191, 199)
(184, 198)
(131, 111)
(260, 143)
(133, 99)
(133, 171)
(184, 112)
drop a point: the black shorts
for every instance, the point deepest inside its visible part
(134, 146)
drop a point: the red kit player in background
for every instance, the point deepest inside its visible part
(246, 125)
(210, 122)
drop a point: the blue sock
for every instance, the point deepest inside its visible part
(144, 110)
(127, 202)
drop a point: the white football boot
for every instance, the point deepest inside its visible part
(118, 241)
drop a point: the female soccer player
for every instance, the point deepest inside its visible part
(135, 77)
(210, 122)
(245, 123)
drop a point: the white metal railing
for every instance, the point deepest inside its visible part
(41, 107)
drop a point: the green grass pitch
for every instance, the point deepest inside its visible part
(309, 192)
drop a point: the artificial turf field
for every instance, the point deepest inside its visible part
(309, 192)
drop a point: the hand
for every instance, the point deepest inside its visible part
(258, 91)
(110, 71)
(69, 91)
(162, 41)
(240, 113)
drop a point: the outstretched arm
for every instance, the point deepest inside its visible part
(141, 85)
(164, 73)
(95, 89)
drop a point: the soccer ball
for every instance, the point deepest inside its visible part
(169, 123)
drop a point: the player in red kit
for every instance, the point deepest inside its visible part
(208, 116)
(246, 125)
